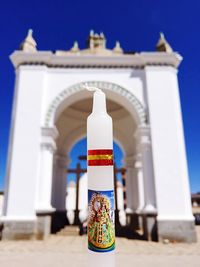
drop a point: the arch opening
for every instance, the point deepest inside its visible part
(70, 121)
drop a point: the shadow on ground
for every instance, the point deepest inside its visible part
(129, 233)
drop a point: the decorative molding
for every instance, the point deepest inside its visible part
(142, 135)
(141, 113)
(49, 135)
(137, 60)
(149, 209)
(47, 210)
(50, 132)
(49, 145)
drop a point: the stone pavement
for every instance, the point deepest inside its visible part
(72, 251)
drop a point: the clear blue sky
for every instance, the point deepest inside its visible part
(136, 24)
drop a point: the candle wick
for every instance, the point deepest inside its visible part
(91, 88)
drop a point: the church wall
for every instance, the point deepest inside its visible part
(169, 156)
(167, 139)
(25, 142)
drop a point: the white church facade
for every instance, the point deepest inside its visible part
(49, 116)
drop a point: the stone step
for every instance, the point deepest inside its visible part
(69, 231)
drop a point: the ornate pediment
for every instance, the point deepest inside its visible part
(96, 45)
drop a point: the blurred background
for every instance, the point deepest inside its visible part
(137, 25)
(57, 24)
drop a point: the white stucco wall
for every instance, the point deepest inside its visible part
(23, 163)
(168, 148)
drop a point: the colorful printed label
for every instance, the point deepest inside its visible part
(101, 229)
(100, 157)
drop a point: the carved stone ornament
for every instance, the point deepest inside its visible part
(163, 45)
(29, 44)
(143, 137)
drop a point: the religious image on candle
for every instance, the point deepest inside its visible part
(101, 233)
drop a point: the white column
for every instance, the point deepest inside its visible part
(120, 203)
(48, 147)
(71, 196)
(60, 182)
(175, 219)
(131, 184)
(140, 184)
(83, 197)
(24, 144)
(129, 164)
(71, 201)
(120, 195)
(144, 146)
(135, 188)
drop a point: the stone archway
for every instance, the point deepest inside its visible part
(58, 104)
(39, 104)
(127, 112)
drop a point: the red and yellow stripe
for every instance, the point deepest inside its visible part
(100, 157)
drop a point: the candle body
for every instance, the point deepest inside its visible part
(101, 232)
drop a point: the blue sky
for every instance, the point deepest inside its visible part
(136, 24)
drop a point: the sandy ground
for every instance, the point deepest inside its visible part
(72, 251)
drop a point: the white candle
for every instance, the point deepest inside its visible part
(101, 230)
